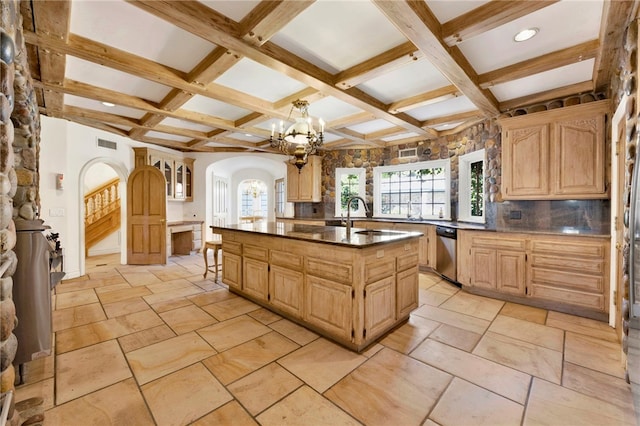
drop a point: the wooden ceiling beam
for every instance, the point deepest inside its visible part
(135, 65)
(378, 65)
(453, 118)
(53, 19)
(105, 95)
(420, 26)
(428, 98)
(268, 17)
(487, 17)
(616, 15)
(559, 58)
(265, 19)
(548, 95)
(193, 17)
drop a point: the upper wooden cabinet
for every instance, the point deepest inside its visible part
(305, 185)
(555, 155)
(178, 172)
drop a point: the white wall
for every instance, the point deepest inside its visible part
(71, 149)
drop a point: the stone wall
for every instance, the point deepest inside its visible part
(19, 142)
(625, 83)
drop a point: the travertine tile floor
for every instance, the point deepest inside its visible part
(137, 345)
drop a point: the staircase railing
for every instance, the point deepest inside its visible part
(101, 212)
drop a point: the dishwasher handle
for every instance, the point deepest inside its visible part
(445, 231)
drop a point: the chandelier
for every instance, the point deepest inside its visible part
(254, 188)
(300, 134)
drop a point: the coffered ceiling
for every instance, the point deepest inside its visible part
(215, 75)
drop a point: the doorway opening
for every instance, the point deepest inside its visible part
(102, 197)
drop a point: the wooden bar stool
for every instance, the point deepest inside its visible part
(215, 245)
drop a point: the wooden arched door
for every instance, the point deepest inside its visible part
(146, 217)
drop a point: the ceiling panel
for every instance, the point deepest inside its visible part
(251, 77)
(109, 78)
(559, 77)
(441, 109)
(111, 23)
(94, 105)
(417, 77)
(215, 108)
(335, 35)
(496, 48)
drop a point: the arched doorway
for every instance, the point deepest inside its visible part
(253, 201)
(89, 174)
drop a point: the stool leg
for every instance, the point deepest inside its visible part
(206, 262)
(215, 260)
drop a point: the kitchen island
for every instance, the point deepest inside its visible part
(351, 288)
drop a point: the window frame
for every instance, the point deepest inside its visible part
(464, 186)
(431, 164)
(362, 190)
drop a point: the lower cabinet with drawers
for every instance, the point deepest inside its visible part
(350, 295)
(566, 273)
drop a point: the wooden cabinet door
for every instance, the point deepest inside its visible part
(579, 153)
(304, 185)
(526, 162)
(483, 267)
(406, 292)
(379, 306)
(292, 183)
(286, 288)
(511, 272)
(328, 305)
(232, 269)
(255, 278)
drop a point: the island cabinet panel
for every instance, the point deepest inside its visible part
(351, 293)
(561, 272)
(379, 306)
(231, 269)
(255, 278)
(426, 244)
(556, 154)
(286, 290)
(406, 292)
(328, 306)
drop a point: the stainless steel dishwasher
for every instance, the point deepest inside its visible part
(446, 262)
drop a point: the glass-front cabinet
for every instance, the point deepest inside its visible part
(178, 172)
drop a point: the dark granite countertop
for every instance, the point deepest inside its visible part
(336, 235)
(468, 226)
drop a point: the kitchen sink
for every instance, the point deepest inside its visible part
(376, 233)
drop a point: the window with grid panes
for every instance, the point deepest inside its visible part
(350, 182)
(414, 190)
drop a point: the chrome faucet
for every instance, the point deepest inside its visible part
(349, 200)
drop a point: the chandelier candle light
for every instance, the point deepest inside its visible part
(301, 134)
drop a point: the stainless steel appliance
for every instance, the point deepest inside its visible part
(631, 312)
(446, 258)
(39, 270)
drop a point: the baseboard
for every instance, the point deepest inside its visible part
(98, 252)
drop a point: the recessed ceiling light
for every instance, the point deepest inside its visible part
(525, 35)
(108, 104)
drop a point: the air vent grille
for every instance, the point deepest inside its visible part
(408, 152)
(107, 144)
